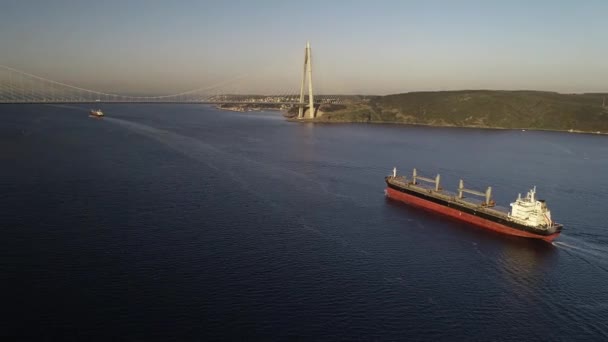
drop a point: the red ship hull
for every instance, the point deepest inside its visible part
(465, 217)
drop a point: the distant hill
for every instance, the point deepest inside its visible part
(480, 108)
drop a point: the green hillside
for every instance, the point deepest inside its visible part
(480, 108)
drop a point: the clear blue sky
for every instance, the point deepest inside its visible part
(374, 47)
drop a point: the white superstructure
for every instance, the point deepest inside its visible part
(531, 212)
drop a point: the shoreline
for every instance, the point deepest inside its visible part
(287, 117)
(315, 121)
(246, 108)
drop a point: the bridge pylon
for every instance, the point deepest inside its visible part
(307, 73)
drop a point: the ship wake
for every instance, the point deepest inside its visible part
(225, 162)
(593, 254)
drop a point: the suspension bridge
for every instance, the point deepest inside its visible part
(20, 87)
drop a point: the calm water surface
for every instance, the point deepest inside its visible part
(184, 222)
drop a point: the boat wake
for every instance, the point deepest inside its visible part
(68, 107)
(223, 161)
(253, 174)
(593, 254)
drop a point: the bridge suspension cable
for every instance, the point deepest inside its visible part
(17, 86)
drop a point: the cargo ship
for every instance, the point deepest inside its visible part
(528, 217)
(96, 113)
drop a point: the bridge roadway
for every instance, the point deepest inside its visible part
(159, 101)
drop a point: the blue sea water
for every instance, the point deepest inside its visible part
(181, 222)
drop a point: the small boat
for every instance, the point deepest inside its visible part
(96, 113)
